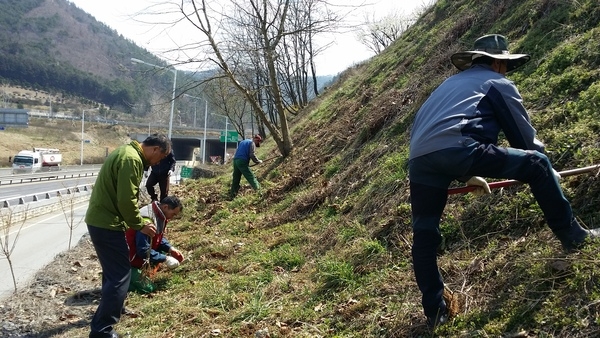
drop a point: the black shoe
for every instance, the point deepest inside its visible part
(440, 319)
(575, 236)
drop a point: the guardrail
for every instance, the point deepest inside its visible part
(19, 180)
(60, 193)
(21, 212)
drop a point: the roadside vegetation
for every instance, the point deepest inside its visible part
(10, 230)
(324, 249)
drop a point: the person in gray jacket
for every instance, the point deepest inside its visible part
(455, 136)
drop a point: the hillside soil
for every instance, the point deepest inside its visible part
(62, 295)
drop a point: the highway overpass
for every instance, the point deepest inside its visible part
(185, 145)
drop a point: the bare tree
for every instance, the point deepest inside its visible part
(378, 34)
(230, 102)
(6, 245)
(252, 41)
(67, 204)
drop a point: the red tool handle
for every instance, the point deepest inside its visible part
(507, 183)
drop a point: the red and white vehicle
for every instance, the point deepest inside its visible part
(40, 159)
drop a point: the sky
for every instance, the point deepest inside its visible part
(124, 16)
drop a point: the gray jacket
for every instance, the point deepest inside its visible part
(477, 103)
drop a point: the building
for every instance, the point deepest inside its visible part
(14, 117)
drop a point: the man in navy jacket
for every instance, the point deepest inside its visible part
(161, 174)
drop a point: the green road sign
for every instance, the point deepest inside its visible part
(232, 136)
(186, 172)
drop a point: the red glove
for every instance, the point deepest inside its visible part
(177, 255)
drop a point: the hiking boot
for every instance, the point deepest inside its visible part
(440, 319)
(574, 237)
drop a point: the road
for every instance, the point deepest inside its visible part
(39, 241)
(25, 186)
(17, 190)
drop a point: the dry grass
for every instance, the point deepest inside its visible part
(66, 136)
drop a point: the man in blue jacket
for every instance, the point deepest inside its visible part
(454, 137)
(161, 174)
(241, 160)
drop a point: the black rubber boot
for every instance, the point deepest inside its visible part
(574, 237)
(440, 319)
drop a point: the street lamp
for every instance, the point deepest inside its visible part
(82, 124)
(205, 118)
(171, 68)
(226, 123)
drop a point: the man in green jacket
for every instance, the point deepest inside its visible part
(113, 208)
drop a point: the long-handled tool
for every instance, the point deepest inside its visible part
(507, 183)
(268, 159)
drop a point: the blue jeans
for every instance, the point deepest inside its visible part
(430, 176)
(113, 254)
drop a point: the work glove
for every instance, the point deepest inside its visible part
(556, 174)
(176, 254)
(171, 262)
(259, 161)
(170, 172)
(482, 186)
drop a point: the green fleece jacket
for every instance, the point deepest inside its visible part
(114, 200)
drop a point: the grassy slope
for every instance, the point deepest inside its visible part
(325, 252)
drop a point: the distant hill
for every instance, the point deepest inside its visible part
(54, 45)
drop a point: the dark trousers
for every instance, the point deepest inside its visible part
(430, 176)
(113, 254)
(241, 167)
(163, 185)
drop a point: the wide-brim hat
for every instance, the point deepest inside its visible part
(494, 46)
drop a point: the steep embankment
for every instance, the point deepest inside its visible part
(324, 250)
(340, 202)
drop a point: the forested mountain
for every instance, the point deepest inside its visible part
(55, 46)
(52, 44)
